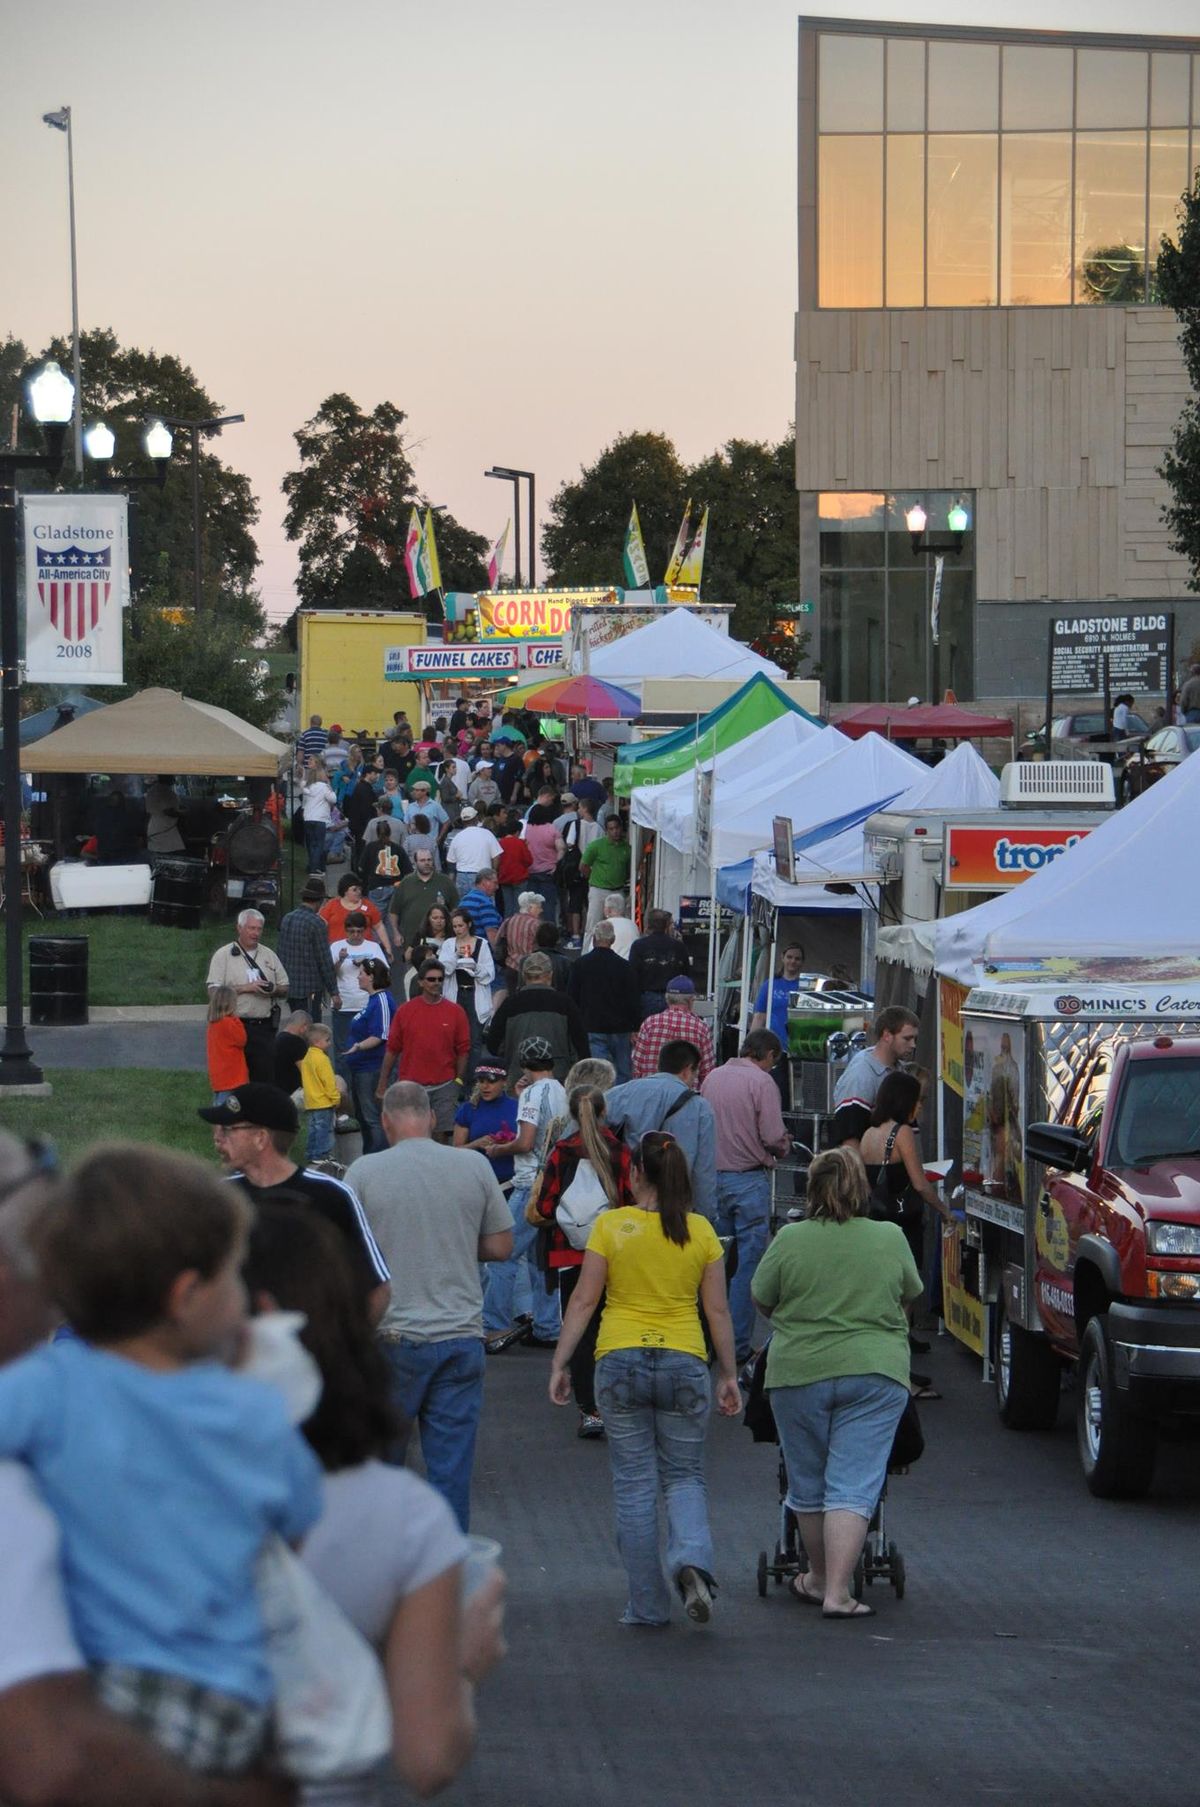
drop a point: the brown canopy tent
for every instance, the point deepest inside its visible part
(161, 731)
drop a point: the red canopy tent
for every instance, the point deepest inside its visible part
(924, 721)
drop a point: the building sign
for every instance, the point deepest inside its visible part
(544, 655)
(996, 859)
(438, 661)
(533, 614)
(76, 585)
(1135, 649)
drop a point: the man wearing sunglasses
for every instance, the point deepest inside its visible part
(56, 1742)
(429, 1043)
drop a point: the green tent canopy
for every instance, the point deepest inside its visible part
(758, 702)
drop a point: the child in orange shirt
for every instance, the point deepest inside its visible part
(226, 1044)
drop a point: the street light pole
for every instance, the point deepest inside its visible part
(510, 474)
(61, 121)
(195, 428)
(511, 477)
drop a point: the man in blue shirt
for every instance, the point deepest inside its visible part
(780, 989)
(481, 901)
(668, 1101)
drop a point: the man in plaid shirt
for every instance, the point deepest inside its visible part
(677, 1023)
(308, 961)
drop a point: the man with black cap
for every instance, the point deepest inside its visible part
(304, 951)
(253, 1131)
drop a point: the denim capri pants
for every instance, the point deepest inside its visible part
(837, 1437)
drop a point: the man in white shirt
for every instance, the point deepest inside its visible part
(625, 929)
(474, 849)
(348, 955)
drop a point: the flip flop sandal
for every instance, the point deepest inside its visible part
(860, 1610)
(799, 1592)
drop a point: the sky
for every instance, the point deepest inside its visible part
(532, 226)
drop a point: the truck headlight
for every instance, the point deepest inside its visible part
(1173, 1239)
(1172, 1286)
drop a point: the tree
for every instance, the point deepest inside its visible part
(1178, 285)
(348, 507)
(583, 539)
(207, 657)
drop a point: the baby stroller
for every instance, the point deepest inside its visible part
(881, 1560)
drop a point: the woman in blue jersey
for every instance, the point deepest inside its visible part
(365, 1048)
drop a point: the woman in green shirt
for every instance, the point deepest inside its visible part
(835, 1288)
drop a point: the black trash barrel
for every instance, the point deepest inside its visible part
(180, 887)
(58, 979)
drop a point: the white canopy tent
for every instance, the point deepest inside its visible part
(678, 645)
(1128, 890)
(765, 748)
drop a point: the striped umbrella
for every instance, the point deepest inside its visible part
(592, 697)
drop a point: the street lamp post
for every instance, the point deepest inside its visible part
(52, 397)
(195, 428)
(61, 121)
(510, 475)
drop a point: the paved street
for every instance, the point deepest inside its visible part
(177, 1047)
(1046, 1647)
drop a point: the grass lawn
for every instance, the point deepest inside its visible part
(124, 1104)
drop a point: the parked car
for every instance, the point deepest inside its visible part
(1153, 759)
(1083, 736)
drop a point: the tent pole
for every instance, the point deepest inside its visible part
(747, 944)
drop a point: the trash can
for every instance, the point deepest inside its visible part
(58, 980)
(180, 887)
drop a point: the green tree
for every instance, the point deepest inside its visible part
(208, 657)
(583, 539)
(1177, 280)
(348, 508)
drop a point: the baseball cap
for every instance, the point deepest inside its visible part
(483, 765)
(335, 727)
(535, 1051)
(569, 797)
(681, 983)
(261, 1106)
(468, 814)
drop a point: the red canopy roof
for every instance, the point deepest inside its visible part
(927, 721)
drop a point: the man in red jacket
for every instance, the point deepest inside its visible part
(431, 1038)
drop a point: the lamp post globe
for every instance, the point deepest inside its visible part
(158, 441)
(915, 519)
(51, 396)
(100, 442)
(958, 520)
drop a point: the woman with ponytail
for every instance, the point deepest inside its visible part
(588, 1139)
(652, 1262)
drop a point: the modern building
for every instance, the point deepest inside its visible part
(979, 218)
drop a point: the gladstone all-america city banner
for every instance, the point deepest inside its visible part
(76, 586)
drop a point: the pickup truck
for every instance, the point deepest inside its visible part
(1116, 1268)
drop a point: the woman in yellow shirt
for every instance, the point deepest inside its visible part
(653, 1261)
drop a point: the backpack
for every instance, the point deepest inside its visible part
(580, 1205)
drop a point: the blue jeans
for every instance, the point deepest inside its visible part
(744, 1212)
(366, 1108)
(836, 1437)
(655, 1405)
(314, 844)
(340, 1021)
(439, 1387)
(618, 1049)
(319, 1143)
(502, 1279)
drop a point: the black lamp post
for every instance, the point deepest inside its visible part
(52, 399)
(509, 475)
(195, 428)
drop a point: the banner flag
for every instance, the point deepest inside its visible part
(495, 563)
(76, 585)
(637, 570)
(429, 570)
(693, 564)
(935, 602)
(412, 549)
(675, 564)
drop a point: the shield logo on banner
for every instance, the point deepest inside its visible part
(74, 586)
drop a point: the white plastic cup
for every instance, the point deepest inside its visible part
(482, 1558)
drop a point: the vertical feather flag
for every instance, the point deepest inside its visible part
(637, 570)
(495, 563)
(412, 552)
(429, 570)
(693, 563)
(675, 563)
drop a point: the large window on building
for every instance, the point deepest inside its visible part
(881, 638)
(958, 173)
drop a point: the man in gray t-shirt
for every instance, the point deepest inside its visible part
(855, 1093)
(436, 1213)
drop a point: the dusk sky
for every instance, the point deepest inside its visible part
(531, 226)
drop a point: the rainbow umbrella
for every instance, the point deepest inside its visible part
(576, 696)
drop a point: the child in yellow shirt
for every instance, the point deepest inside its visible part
(321, 1093)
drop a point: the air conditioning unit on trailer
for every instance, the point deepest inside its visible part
(1078, 783)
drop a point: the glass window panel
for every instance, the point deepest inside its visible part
(964, 87)
(1035, 220)
(906, 85)
(1168, 180)
(853, 649)
(905, 220)
(961, 220)
(1111, 88)
(850, 215)
(850, 83)
(909, 589)
(1110, 217)
(1168, 89)
(1039, 87)
(851, 525)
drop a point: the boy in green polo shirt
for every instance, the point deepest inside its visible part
(606, 865)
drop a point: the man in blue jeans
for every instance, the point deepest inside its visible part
(440, 1212)
(750, 1134)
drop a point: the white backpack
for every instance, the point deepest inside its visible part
(580, 1205)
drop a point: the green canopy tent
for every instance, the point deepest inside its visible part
(758, 703)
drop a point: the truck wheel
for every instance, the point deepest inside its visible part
(1116, 1447)
(1028, 1377)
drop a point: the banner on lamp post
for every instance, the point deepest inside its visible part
(935, 604)
(76, 586)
